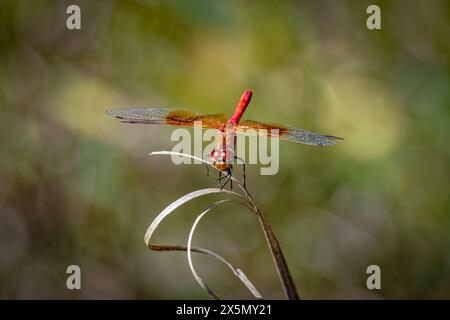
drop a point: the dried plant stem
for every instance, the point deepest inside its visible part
(278, 257)
(237, 272)
(247, 200)
(171, 208)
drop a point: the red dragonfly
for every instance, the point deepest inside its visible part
(223, 155)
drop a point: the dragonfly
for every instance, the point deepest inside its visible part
(222, 156)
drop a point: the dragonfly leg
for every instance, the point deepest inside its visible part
(207, 169)
(207, 164)
(219, 179)
(245, 179)
(243, 169)
(229, 174)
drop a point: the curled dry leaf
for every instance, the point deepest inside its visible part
(244, 199)
(237, 272)
(171, 208)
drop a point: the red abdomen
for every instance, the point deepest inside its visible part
(242, 105)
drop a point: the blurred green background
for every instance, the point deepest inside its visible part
(78, 187)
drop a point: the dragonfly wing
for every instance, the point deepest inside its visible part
(170, 116)
(286, 133)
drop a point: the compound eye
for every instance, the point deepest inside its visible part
(215, 154)
(222, 154)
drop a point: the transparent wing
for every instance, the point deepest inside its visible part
(286, 133)
(169, 116)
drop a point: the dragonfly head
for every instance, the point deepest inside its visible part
(221, 159)
(218, 155)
